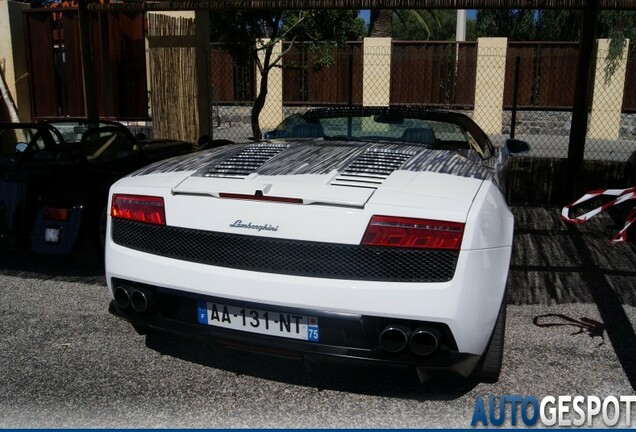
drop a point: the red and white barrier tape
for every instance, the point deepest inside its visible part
(621, 195)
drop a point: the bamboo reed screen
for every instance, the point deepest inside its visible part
(174, 85)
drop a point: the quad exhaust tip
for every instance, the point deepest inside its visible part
(422, 341)
(122, 296)
(394, 338)
(141, 299)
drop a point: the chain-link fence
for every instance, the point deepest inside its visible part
(299, 82)
(437, 74)
(604, 137)
(519, 89)
(544, 86)
(232, 93)
(539, 94)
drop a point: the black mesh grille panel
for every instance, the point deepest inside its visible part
(293, 257)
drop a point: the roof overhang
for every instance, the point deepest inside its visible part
(149, 5)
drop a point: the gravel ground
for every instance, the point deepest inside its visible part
(67, 363)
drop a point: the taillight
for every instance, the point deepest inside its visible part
(56, 213)
(393, 231)
(139, 208)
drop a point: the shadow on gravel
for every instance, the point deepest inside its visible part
(369, 380)
(556, 263)
(63, 268)
(550, 259)
(618, 326)
(592, 327)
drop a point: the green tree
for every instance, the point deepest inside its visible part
(437, 25)
(565, 25)
(335, 28)
(618, 26)
(471, 30)
(246, 34)
(552, 25)
(514, 24)
(381, 22)
(558, 25)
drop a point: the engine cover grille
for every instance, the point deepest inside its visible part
(371, 169)
(292, 257)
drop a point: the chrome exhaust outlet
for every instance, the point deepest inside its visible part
(141, 299)
(424, 341)
(394, 338)
(122, 297)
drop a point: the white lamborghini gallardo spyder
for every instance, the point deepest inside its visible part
(372, 234)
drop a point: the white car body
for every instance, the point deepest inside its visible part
(335, 209)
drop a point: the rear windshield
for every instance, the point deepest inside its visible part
(434, 133)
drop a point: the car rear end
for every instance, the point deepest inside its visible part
(407, 273)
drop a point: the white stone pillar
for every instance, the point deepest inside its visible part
(607, 102)
(272, 113)
(376, 76)
(489, 83)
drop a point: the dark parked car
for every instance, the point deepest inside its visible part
(54, 180)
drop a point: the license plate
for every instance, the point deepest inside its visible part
(52, 235)
(281, 324)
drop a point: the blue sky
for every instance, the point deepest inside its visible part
(364, 14)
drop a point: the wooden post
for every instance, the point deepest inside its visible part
(107, 70)
(88, 74)
(202, 66)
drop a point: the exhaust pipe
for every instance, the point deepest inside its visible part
(122, 296)
(394, 338)
(141, 299)
(424, 341)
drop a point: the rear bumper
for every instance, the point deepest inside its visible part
(468, 304)
(66, 233)
(348, 337)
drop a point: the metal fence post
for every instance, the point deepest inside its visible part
(515, 93)
(584, 72)
(350, 92)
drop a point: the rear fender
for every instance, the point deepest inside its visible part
(85, 200)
